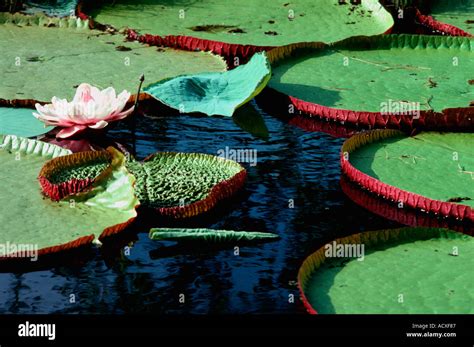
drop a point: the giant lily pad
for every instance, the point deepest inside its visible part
(39, 62)
(454, 17)
(245, 24)
(20, 122)
(208, 235)
(182, 185)
(384, 81)
(214, 93)
(38, 223)
(409, 270)
(432, 172)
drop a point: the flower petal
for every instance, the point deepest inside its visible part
(96, 93)
(47, 114)
(84, 93)
(68, 132)
(121, 115)
(99, 125)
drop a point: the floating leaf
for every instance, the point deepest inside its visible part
(431, 172)
(249, 22)
(76, 173)
(409, 270)
(185, 184)
(403, 216)
(38, 223)
(39, 62)
(389, 80)
(214, 93)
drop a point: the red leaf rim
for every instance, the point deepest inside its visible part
(58, 191)
(276, 104)
(452, 119)
(405, 216)
(84, 241)
(437, 26)
(229, 51)
(369, 238)
(391, 193)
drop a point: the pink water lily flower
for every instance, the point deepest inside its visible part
(90, 108)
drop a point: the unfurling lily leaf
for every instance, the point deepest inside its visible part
(208, 235)
(214, 93)
(78, 172)
(90, 108)
(182, 185)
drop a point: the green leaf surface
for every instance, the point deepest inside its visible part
(176, 179)
(32, 219)
(208, 235)
(214, 93)
(249, 22)
(39, 62)
(430, 268)
(439, 166)
(459, 13)
(364, 74)
(20, 122)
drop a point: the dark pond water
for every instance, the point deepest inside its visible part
(293, 164)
